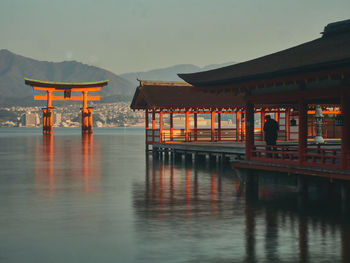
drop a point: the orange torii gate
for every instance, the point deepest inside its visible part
(67, 88)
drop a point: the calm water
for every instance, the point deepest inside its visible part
(99, 199)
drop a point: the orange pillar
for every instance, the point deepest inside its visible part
(237, 126)
(146, 119)
(219, 126)
(243, 125)
(84, 115)
(195, 126)
(153, 120)
(212, 126)
(47, 120)
(171, 127)
(288, 124)
(153, 123)
(302, 132)
(276, 114)
(49, 98)
(262, 118)
(187, 124)
(50, 118)
(345, 140)
(44, 120)
(47, 114)
(146, 128)
(161, 126)
(90, 119)
(249, 130)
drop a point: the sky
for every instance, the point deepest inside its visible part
(139, 35)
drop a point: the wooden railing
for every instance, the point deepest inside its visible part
(152, 136)
(279, 154)
(198, 135)
(325, 157)
(320, 156)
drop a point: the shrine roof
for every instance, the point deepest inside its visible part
(180, 95)
(330, 51)
(64, 85)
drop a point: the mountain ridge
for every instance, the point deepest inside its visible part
(169, 73)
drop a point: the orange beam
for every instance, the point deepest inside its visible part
(53, 97)
(63, 89)
(41, 88)
(312, 112)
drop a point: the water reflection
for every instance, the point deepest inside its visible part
(56, 158)
(264, 219)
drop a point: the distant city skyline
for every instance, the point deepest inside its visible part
(141, 35)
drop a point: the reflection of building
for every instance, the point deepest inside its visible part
(30, 119)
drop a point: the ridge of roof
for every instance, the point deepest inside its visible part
(163, 83)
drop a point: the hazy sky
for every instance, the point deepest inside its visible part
(137, 35)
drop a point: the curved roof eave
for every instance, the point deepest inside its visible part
(67, 85)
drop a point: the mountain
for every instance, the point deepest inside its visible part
(169, 73)
(13, 68)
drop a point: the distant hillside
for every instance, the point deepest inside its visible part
(169, 73)
(13, 68)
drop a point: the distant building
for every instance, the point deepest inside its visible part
(30, 119)
(57, 119)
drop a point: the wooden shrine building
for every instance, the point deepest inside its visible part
(288, 85)
(67, 88)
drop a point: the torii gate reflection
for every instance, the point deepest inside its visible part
(67, 88)
(55, 157)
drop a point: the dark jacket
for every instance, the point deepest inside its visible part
(271, 128)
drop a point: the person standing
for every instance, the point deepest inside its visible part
(271, 128)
